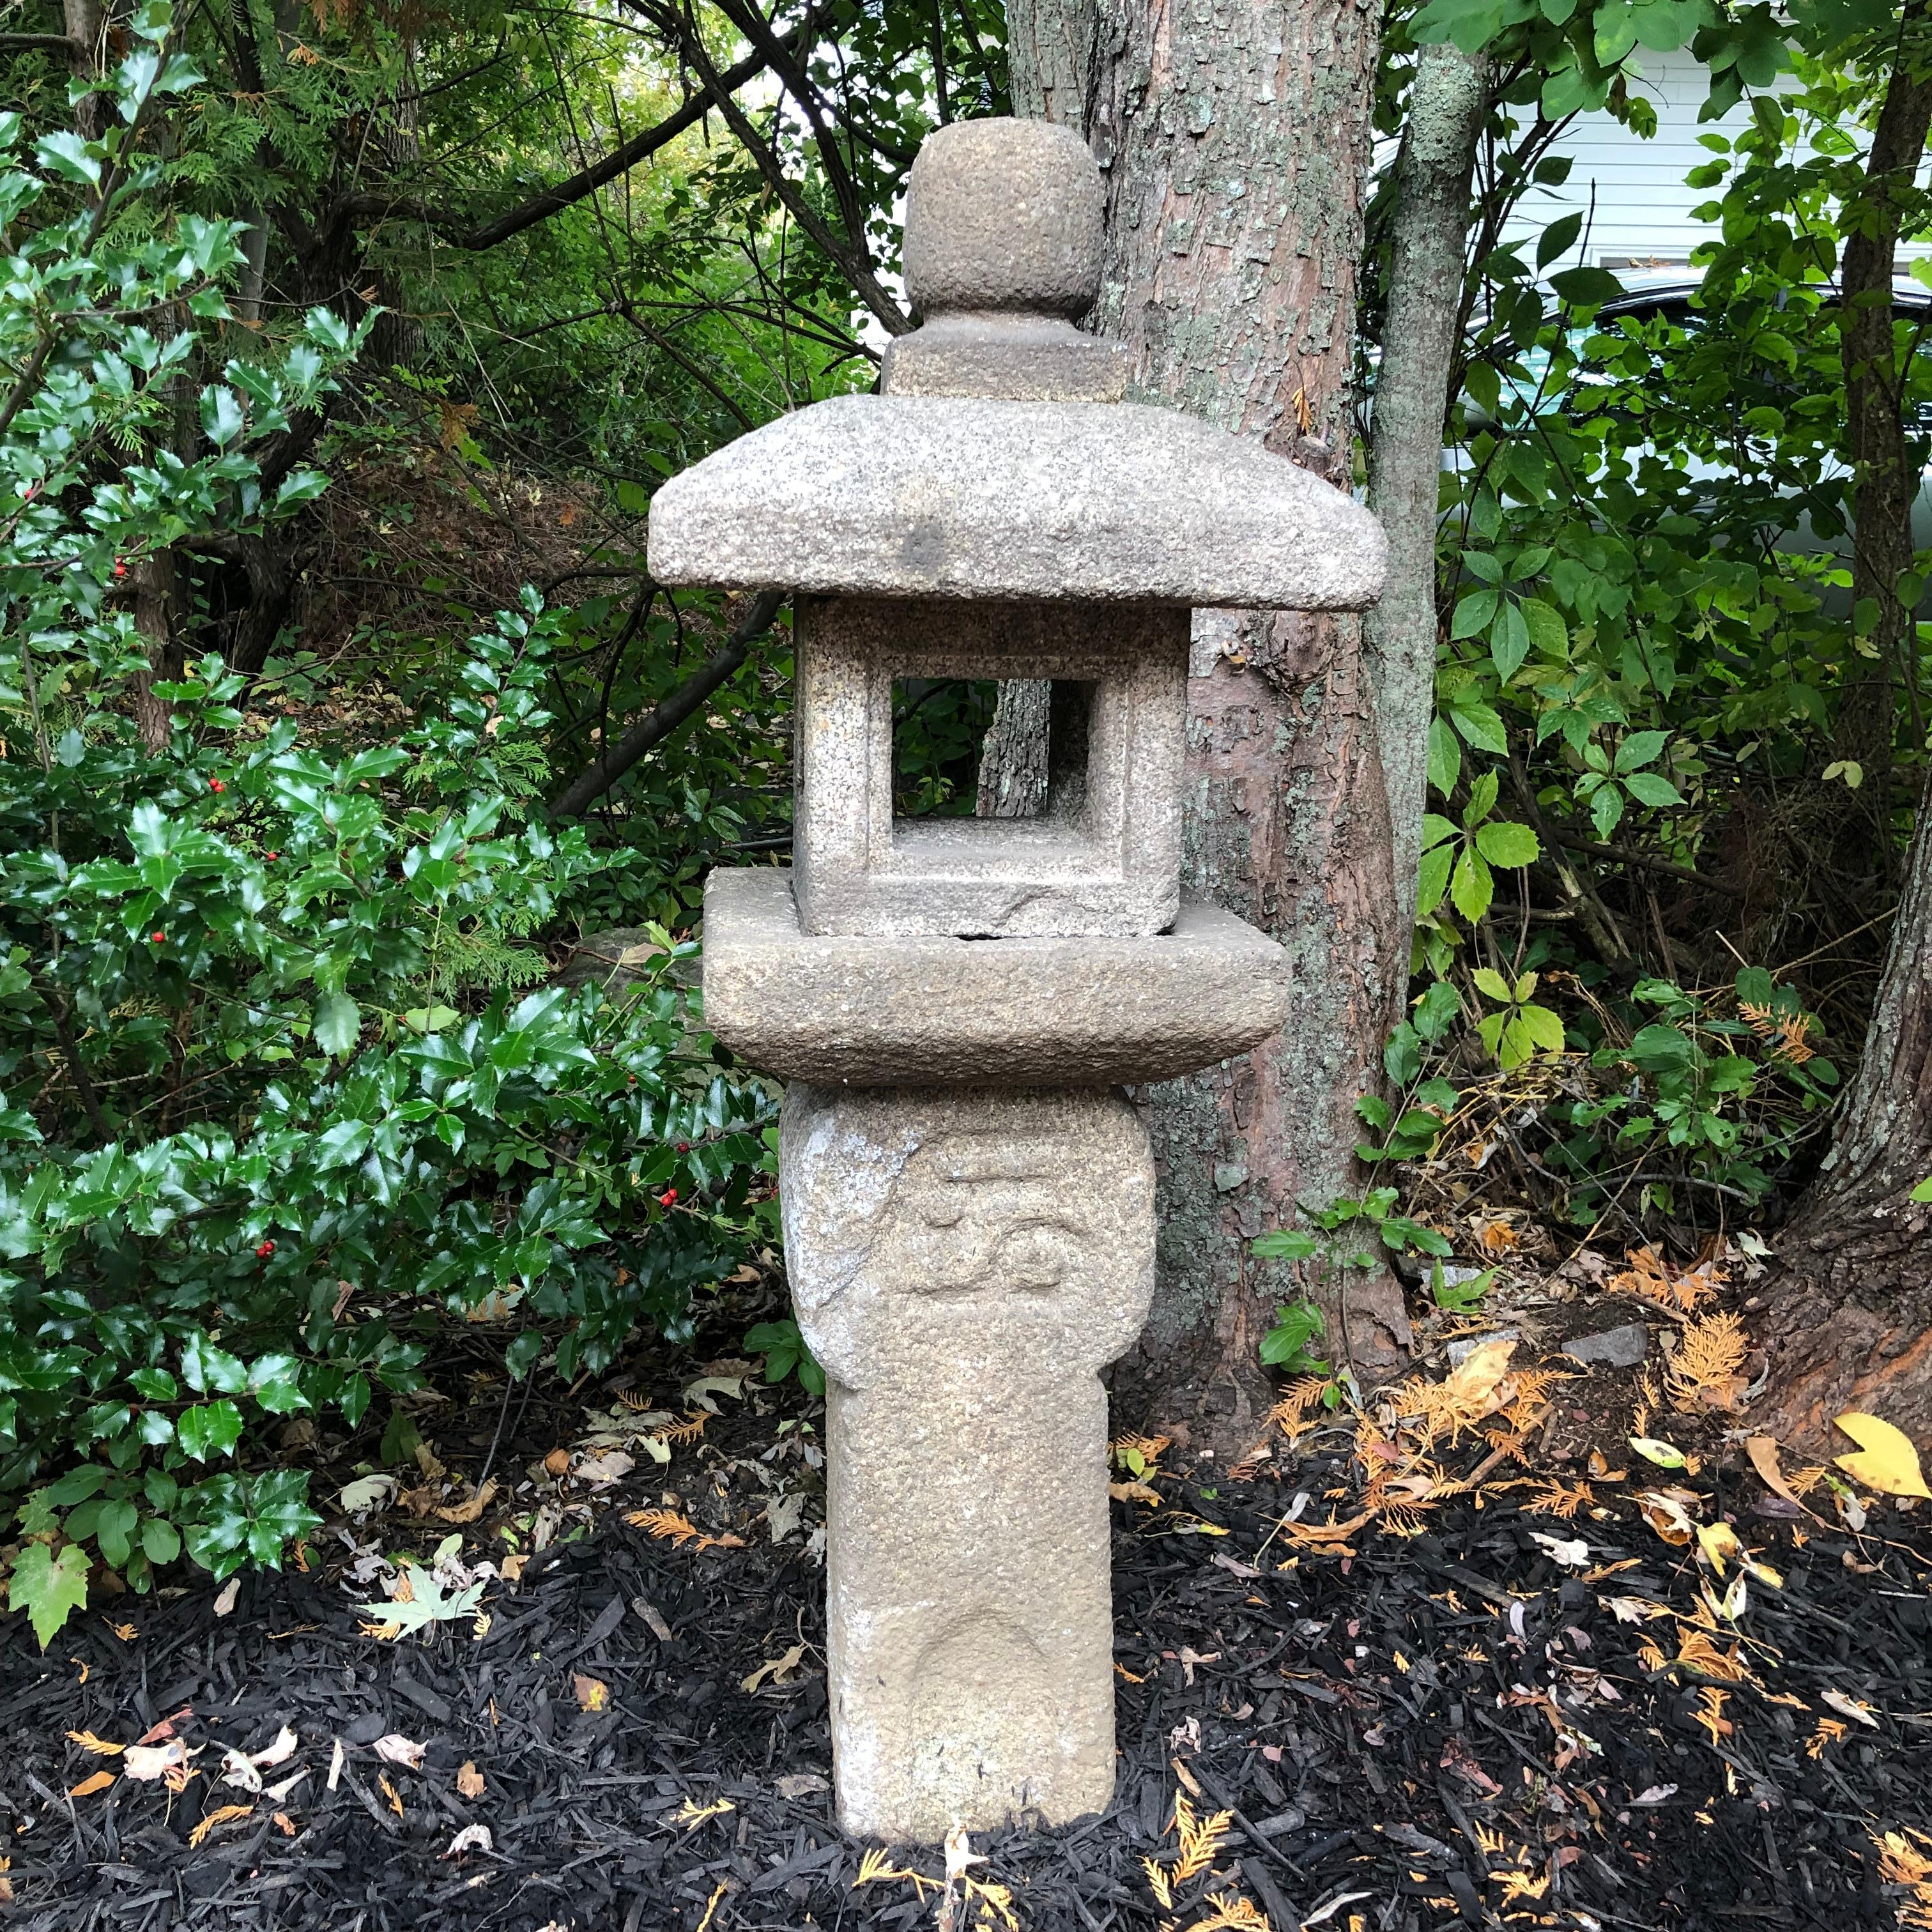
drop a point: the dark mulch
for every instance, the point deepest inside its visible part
(1450, 1729)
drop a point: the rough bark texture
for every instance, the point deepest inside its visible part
(1850, 1321)
(1053, 58)
(1235, 137)
(1448, 104)
(1885, 478)
(1013, 763)
(1850, 1324)
(154, 618)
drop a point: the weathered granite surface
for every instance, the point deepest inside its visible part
(962, 1265)
(867, 1011)
(1003, 249)
(951, 496)
(1104, 856)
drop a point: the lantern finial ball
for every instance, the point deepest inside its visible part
(1003, 216)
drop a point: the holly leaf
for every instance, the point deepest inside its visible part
(338, 1025)
(48, 1588)
(1885, 1460)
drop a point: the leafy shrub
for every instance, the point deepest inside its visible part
(273, 1102)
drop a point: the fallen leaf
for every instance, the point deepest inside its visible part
(607, 1467)
(1666, 1516)
(222, 1814)
(800, 1784)
(1885, 1460)
(396, 1749)
(237, 1771)
(470, 1780)
(1850, 1707)
(592, 1693)
(285, 1824)
(776, 1668)
(389, 1793)
(144, 1763)
(224, 1604)
(557, 1462)
(471, 1838)
(1574, 1553)
(1134, 1492)
(700, 1391)
(276, 1792)
(1480, 1370)
(1762, 1451)
(366, 1492)
(280, 1752)
(100, 1747)
(511, 1568)
(470, 1510)
(125, 1632)
(335, 1763)
(88, 1786)
(1665, 1455)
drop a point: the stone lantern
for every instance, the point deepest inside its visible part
(968, 1199)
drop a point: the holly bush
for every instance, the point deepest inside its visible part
(282, 1085)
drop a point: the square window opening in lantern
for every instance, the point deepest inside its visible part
(1039, 744)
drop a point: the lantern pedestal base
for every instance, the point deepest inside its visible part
(963, 1264)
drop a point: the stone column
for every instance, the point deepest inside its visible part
(963, 1264)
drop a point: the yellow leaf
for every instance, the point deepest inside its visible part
(592, 1693)
(100, 1747)
(1480, 1370)
(88, 1786)
(1886, 1460)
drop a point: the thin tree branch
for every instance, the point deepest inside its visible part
(663, 718)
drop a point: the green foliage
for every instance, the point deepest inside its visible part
(1285, 1345)
(274, 1101)
(784, 1350)
(1457, 860)
(1459, 1298)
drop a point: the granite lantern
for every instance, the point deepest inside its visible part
(968, 1198)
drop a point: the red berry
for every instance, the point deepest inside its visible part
(273, 856)
(684, 1147)
(668, 1198)
(120, 568)
(159, 938)
(215, 784)
(263, 1253)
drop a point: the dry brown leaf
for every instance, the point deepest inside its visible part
(1762, 1451)
(1652, 1277)
(592, 1693)
(557, 1462)
(1134, 1492)
(389, 1793)
(396, 1749)
(88, 1786)
(777, 1668)
(222, 1814)
(285, 1824)
(471, 1508)
(470, 1780)
(100, 1747)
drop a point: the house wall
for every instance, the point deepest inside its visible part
(1637, 207)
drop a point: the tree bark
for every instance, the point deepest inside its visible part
(154, 618)
(1885, 480)
(1850, 1320)
(1013, 760)
(1235, 139)
(1428, 236)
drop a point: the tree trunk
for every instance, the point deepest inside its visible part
(1448, 104)
(1013, 760)
(1850, 1319)
(1235, 138)
(1885, 480)
(154, 619)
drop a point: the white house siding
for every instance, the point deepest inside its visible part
(1636, 209)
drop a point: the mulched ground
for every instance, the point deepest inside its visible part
(1463, 1727)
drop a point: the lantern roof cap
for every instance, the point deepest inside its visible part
(927, 496)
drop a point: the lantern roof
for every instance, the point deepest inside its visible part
(925, 495)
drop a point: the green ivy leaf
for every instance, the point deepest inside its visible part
(1652, 788)
(48, 1588)
(1509, 641)
(1445, 757)
(1471, 885)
